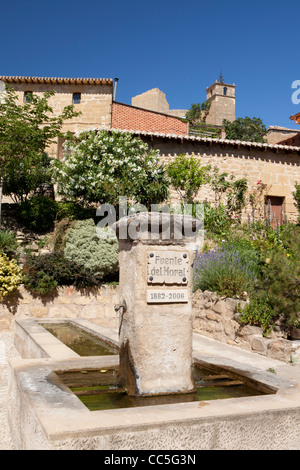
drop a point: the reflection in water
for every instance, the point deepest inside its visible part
(83, 343)
(98, 389)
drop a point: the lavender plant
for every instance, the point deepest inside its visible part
(228, 270)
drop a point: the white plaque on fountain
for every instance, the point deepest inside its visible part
(168, 267)
(167, 296)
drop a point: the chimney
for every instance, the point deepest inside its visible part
(115, 89)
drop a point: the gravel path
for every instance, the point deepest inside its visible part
(7, 350)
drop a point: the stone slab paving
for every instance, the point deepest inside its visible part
(210, 348)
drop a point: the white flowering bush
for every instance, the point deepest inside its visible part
(101, 166)
(94, 248)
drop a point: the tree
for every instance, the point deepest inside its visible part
(25, 176)
(155, 188)
(245, 129)
(103, 166)
(26, 130)
(187, 175)
(234, 190)
(198, 112)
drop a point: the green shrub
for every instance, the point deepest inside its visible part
(74, 211)
(216, 221)
(261, 234)
(38, 213)
(281, 282)
(187, 175)
(258, 312)
(290, 240)
(8, 243)
(296, 196)
(94, 248)
(58, 236)
(43, 273)
(10, 275)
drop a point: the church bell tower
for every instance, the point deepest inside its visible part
(222, 98)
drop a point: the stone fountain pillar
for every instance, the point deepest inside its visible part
(156, 253)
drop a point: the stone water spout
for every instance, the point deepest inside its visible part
(156, 253)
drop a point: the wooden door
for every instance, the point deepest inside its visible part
(274, 209)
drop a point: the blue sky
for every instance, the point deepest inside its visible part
(178, 47)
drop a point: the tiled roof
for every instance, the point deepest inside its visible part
(57, 80)
(296, 118)
(290, 140)
(192, 138)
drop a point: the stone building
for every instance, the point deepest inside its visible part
(221, 96)
(155, 100)
(294, 139)
(95, 99)
(222, 99)
(276, 166)
(278, 134)
(91, 96)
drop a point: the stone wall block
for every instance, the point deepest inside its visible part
(83, 300)
(258, 344)
(249, 330)
(211, 315)
(62, 299)
(280, 350)
(4, 310)
(62, 311)
(25, 298)
(23, 311)
(39, 312)
(218, 306)
(230, 328)
(90, 311)
(103, 299)
(232, 304)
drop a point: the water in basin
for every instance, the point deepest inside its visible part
(98, 389)
(82, 342)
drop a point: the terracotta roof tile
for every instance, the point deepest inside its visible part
(58, 80)
(265, 146)
(296, 118)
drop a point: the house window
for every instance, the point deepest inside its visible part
(225, 91)
(76, 98)
(27, 96)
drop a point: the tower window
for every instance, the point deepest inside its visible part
(76, 98)
(27, 96)
(225, 91)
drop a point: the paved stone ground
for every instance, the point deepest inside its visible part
(7, 350)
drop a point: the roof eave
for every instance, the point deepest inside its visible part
(58, 80)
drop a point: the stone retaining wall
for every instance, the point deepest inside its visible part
(96, 305)
(216, 317)
(213, 316)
